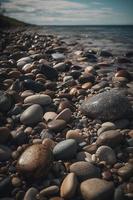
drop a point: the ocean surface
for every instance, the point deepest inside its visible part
(117, 39)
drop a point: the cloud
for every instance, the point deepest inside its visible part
(45, 12)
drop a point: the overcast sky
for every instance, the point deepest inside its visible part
(71, 12)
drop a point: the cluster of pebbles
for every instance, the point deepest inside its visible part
(66, 126)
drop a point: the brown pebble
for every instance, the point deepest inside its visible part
(57, 125)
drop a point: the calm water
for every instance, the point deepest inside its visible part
(113, 38)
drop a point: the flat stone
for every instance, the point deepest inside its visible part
(64, 114)
(126, 171)
(69, 186)
(35, 161)
(32, 115)
(4, 135)
(5, 153)
(110, 105)
(57, 125)
(97, 189)
(31, 194)
(105, 153)
(110, 138)
(84, 170)
(58, 56)
(65, 150)
(49, 72)
(60, 66)
(25, 59)
(49, 116)
(41, 99)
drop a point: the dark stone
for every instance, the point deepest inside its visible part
(49, 72)
(5, 102)
(105, 54)
(5, 187)
(110, 105)
(34, 86)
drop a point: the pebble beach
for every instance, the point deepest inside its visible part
(66, 119)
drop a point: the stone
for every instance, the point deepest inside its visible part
(105, 153)
(122, 124)
(41, 99)
(105, 54)
(97, 189)
(33, 85)
(64, 114)
(84, 156)
(32, 115)
(49, 191)
(84, 170)
(75, 134)
(31, 194)
(65, 150)
(58, 56)
(49, 72)
(109, 105)
(5, 153)
(57, 125)
(35, 161)
(5, 102)
(60, 66)
(110, 138)
(4, 135)
(69, 186)
(126, 171)
(49, 116)
(25, 59)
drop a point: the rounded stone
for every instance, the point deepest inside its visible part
(69, 186)
(5, 102)
(4, 135)
(31, 194)
(75, 134)
(65, 150)
(126, 171)
(41, 99)
(32, 115)
(84, 156)
(5, 153)
(49, 116)
(109, 105)
(57, 125)
(35, 161)
(97, 189)
(105, 153)
(64, 114)
(49, 191)
(110, 138)
(84, 170)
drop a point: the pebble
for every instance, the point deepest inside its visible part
(64, 114)
(49, 72)
(31, 194)
(35, 161)
(4, 135)
(105, 153)
(75, 134)
(84, 170)
(65, 150)
(32, 115)
(84, 156)
(60, 66)
(49, 191)
(69, 186)
(5, 153)
(58, 56)
(41, 99)
(57, 125)
(5, 102)
(126, 171)
(49, 116)
(97, 189)
(122, 124)
(110, 138)
(110, 105)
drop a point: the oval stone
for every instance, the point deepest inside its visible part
(105, 153)
(35, 161)
(110, 105)
(57, 125)
(41, 99)
(69, 186)
(84, 170)
(31, 194)
(65, 150)
(32, 115)
(64, 114)
(97, 189)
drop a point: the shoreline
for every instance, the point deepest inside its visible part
(66, 116)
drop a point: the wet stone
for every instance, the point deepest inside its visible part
(110, 105)
(65, 150)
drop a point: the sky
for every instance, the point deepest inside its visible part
(71, 12)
